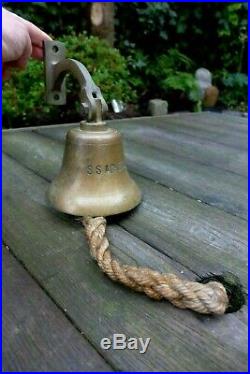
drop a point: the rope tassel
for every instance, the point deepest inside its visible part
(208, 296)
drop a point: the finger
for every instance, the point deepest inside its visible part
(36, 35)
(18, 64)
(9, 64)
(22, 61)
(6, 73)
(37, 52)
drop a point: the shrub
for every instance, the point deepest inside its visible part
(214, 34)
(184, 82)
(209, 32)
(23, 95)
(60, 15)
(150, 35)
(233, 90)
(174, 72)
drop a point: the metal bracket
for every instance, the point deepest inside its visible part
(54, 52)
(56, 67)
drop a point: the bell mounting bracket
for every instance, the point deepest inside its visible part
(56, 68)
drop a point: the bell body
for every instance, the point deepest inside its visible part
(93, 180)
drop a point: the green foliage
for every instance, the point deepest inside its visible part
(154, 17)
(23, 95)
(183, 82)
(138, 64)
(233, 90)
(171, 72)
(209, 32)
(235, 80)
(160, 76)
(53, 17)
(152, 20)
(214, 34)
(155, 39)
(232, 36)
(174, 60)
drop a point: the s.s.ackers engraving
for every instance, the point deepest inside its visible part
(104, 168)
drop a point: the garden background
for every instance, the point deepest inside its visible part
(139, 52)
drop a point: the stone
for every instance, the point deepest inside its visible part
(204, 80)
(157, 107)
(210, 97)
(208, 93)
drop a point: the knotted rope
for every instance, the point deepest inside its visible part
(209, 298)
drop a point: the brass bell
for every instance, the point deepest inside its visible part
(93, 180)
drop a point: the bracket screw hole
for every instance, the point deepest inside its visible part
(56, 97)
(55, 49)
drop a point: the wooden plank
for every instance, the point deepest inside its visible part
(182, 145)
(224, 190)
(15, 145)
(36, 334)
(217, 120)
(17, 175)
(218, 240)
(54, 251)
(229, 117)
(179, 125)
(240, 122)
(212, 186)
(220, 136)
(185, 146)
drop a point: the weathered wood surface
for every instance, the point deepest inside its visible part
(188, 175)
(36, 334)
(225, 190)
(170, 231)
(199, 224)
(185, 145)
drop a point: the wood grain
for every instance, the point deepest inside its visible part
(235, 138)
(223, 190)
(185, 146)
(36, 334)
(56, 254)
(176, 160)
(218, 240)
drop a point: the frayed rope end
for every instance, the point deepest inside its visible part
(235, 291)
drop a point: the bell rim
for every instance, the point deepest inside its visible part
(102, 212)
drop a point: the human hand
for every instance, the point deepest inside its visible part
(20, 41)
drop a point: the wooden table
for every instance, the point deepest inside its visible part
(192, 169)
